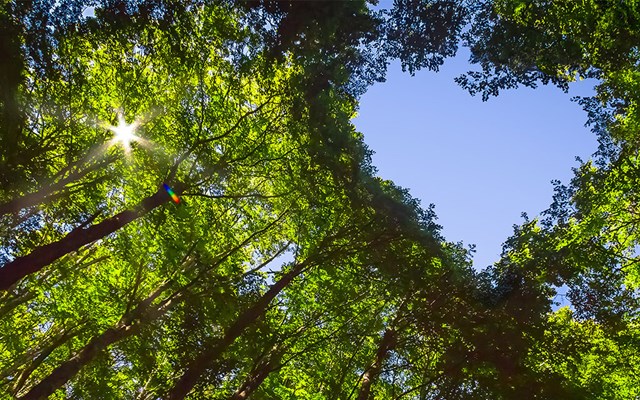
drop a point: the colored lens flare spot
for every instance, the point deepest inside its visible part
(172, 194)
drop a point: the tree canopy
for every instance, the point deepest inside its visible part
(187, 210)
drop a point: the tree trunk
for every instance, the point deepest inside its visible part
(128, 325)
(42, 256)
(257, 376)
(12, 65)
(16, 301)
(386, 344)
(26, 373)
(209, 356)
(31, 356)
(32, 199)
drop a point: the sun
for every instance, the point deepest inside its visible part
(123, 133)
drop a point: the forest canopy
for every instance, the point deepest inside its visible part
(187, 210)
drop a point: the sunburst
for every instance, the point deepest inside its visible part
(124, 133)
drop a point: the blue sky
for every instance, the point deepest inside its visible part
(481, 163)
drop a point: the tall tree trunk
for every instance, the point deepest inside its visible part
(37, 361)
(386, 344)
(209, 356)
(12, 65)
(40, 196)
(16, 301)
(42, 256)
(31, 356)
(128, 325)
(258, 375)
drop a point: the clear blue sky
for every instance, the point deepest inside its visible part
(481, 164)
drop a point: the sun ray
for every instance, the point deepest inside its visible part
(123, 133)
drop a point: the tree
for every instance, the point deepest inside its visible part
(287, 269)
(590, 229)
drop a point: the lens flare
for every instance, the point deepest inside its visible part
(173, 195)
(123, 133)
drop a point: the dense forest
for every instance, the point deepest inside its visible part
(187, 210)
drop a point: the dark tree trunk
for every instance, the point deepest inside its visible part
(16, 301)
(42, 256)
(209, 356)
(256, 377)
(128, 325)
(31, 356)
(45, 193)
(12, 65)
(386, 344)
(26, 373)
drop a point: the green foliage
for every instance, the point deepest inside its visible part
(592, 363)
(289, 269)
(588, 240)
